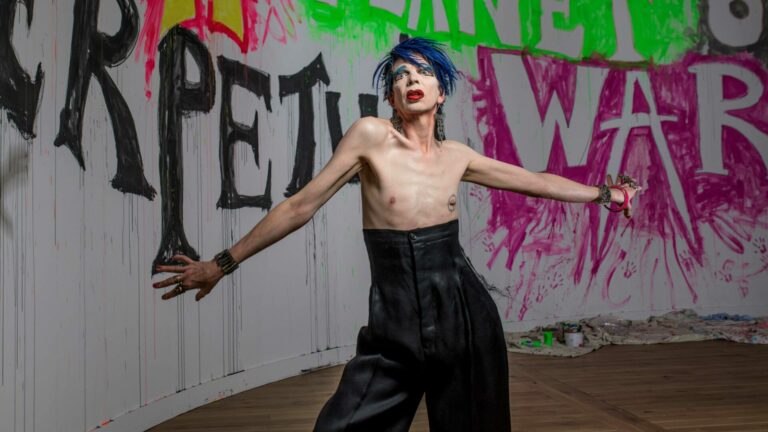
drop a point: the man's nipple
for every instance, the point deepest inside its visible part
(392, 201)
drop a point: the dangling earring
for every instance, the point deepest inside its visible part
(439, 124)
(397, 122)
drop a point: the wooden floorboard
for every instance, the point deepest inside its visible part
(686, 387)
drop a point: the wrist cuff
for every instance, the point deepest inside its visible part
(225, 261)
(605, 195)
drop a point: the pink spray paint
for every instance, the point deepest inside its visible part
(262, 20)
(666, 234)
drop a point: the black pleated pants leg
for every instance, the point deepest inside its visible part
(432, 328)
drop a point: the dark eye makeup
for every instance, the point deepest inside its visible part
(402, 71)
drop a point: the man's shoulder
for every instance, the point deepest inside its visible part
(459, 147)
(371, 126)
(364, 132)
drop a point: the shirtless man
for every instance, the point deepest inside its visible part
(432, 328)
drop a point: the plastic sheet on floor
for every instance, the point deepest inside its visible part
(678, 326)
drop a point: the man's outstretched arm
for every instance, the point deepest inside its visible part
(286, 217)
(500, 175)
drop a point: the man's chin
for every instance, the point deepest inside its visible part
(417, 109)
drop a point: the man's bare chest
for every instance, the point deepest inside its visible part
(400, 183)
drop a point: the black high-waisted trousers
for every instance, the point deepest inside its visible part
(432, 328)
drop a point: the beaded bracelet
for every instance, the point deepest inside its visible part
(605, 195)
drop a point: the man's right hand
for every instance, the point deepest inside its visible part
(200, 275)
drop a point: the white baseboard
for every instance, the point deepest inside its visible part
(172, 405)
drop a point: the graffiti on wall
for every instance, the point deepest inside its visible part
(575, 29)
(673, 92)
(93, 53)
(695, 131)
(665, 90)
(19, 93)
(250, 24)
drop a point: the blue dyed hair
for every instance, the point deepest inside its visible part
(432, 51)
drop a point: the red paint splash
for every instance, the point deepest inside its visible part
(262, 20)
(148, 38)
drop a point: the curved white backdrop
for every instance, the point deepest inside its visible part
(86, 343)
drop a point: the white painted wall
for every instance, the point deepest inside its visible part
(86, 342)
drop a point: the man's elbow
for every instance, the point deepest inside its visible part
(300, 210)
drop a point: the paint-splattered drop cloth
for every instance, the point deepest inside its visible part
(432, 329)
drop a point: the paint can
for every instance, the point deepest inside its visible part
(565, 328)
(574, 339)
(530, 342)
(548, 337)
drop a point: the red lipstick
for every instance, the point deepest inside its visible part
(414, 95)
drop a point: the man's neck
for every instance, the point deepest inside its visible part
(419, 129)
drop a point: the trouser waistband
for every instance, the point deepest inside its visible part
(426, 234)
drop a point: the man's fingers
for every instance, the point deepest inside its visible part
(170, 269)
(202, 293)
(179, 280)
(183, 258)
(173, 293)
(178, 289)
(174, 268)
(609, 180)
(170, 281)
(170, 294)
